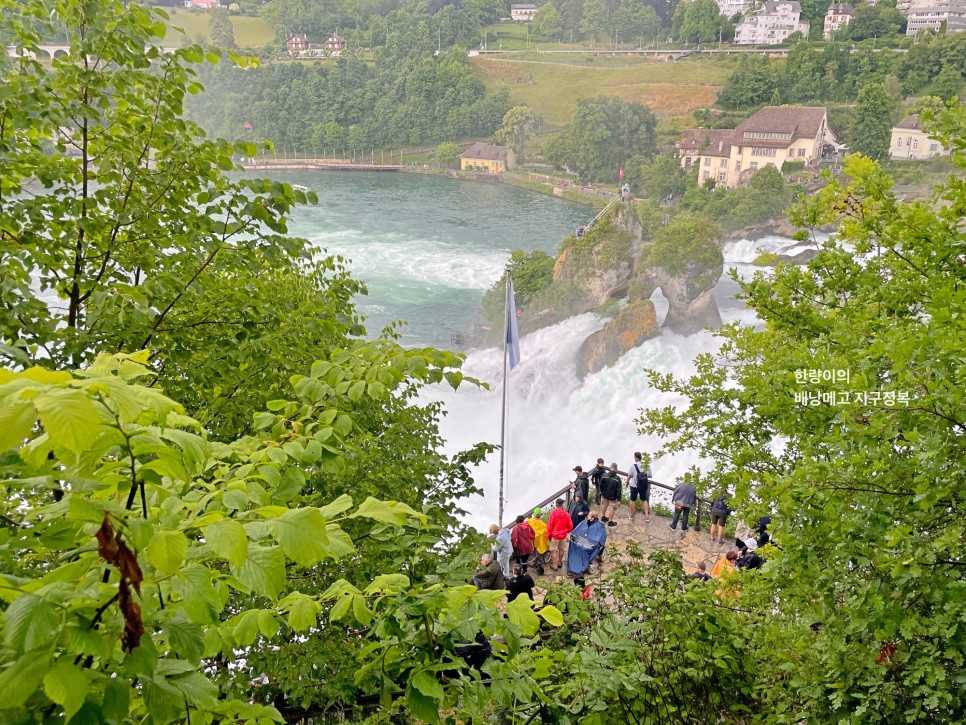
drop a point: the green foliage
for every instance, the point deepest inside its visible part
(520, 124)
(765, 198)
(604, 133)
(871, 130)
(532, 272)
(448, 154)
(873, 21)
(700, 22)
(636, 19)
(866, 591)
(657, 179)
(222, 31)
(688, 239)
(547, 22)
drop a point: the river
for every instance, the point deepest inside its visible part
(428, 247)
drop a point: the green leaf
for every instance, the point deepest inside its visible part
(197, 689)
(267, 624)
(302, 535)
(186, 638)
(423, 706)
(263, 571)
(19, 681)
(360, 610)
(340, 543)
(69, 417)
(356, 391)
(31, 622)
(520, 612)
(425, 681)
(117, 700)
(228, 539)
(16, 422)
(167, 551)
(551, 615)
(303, 611)
(339, 506)
(341, 607)
(66, 685)
(390, 512)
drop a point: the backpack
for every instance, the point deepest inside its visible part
(720, 505)
(641, 478)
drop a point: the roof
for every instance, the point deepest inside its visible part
(771, 6)
(486, 152)
(700, 138)
(840, 9)
(336, 37)
(910, 123)
(523, 6)
(800, 122)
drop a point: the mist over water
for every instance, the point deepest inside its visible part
(428, 247)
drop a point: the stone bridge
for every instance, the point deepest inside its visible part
(53, 50)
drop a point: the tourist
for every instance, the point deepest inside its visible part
(490, 575)
(502, 547)
(522, 540)
(541, 543)
(701, 572)
(596, 473)
(581, 484)
(719, 516)
(559, 527)
(762, 530)
(725, 565)
(640, 486)
(578, 510)
(749, 559)
(684, 498)
(610, 491)
(519, 583)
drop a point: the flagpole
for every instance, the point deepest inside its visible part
(506, 336)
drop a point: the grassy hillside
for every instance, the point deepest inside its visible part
(552, 84)
(250, 31)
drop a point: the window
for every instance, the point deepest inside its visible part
(723, 176)
(723, 162)
(801, 152)
(763, 152)
(707, 175)
(915, 144)
(707, 161)
(737, 166)
(934, 148)
(899, 143)
(754, 166)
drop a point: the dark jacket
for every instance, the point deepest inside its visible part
(582, 483)
(491, 577)
(522, 538)
(518, 585)
(611, 486)
(720, 506)
(685, 494)
(578, 511)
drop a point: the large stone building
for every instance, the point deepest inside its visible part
(488, 159)
(909, 141)
(772, 24)
(931, 14)
(772, 136)
(522, 12)
(837, 16)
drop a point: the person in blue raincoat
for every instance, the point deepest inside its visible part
(502, 547)
(586, 544)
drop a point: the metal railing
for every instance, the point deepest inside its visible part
(565, 493)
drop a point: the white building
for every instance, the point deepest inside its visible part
(909, 141)
(771, 25)
(730, 8)
(522, 13)
(931, 14)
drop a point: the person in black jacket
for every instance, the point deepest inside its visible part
(611, 487)
(520, 583)
(581, 484)
(596, 473)
(578, 509)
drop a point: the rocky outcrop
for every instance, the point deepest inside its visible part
(772, 260)
(633, 325)
(691, 303)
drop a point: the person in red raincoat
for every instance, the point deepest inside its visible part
(522, 540)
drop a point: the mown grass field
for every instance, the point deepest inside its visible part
(552, 84)
(250, 31)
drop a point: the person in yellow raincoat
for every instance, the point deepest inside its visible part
(541, 542)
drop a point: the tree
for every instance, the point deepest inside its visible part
(871, 130)
(636, 20)
(222, 30)
(658, 179)
(519, 126)
(532, 272)
(603, 133)
(702, 21)
(949, 84)
(448, 154)
(596, 19)
(875, 21)
(870, 451)
(547, 22)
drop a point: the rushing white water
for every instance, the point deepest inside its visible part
(555, 422)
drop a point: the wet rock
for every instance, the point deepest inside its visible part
(633, 325)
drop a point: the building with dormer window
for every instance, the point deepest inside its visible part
(772, 24)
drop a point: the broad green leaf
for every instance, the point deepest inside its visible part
(425, 681)
(22, 677)
(196, 688)
(45, 376)
(167, 551)
(302, 535)
(341, 607)
(263, 571)
(303, 612)
(356, 391)
(551, 615)
(16, 422)
(424, 707)
(245, 630)
(117, 700)
(360, 610)
(69, 417)
(267, 624)
(339, 506)
(31, 622)
(340, 543)
(390, 512)
(228, 539)
(187, 639)
(395, 582)
(66, 685)
(520, 612)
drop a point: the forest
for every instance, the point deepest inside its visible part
(196, 435)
